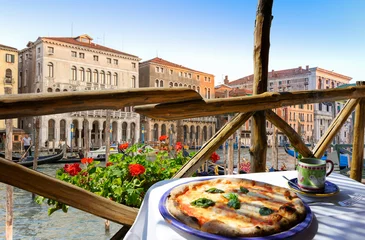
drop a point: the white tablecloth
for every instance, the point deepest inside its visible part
(331, 220)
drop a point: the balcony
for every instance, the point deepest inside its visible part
(8, 80)
(202, 119)
(102, 114)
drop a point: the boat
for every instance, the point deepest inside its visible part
(343, 157)
(100, 153)
(28, 162)
(29, 158)
(77, 160)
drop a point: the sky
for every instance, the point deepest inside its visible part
(206, 35)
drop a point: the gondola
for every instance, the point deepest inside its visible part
(44, 160)
(77, 160)
(30, 158)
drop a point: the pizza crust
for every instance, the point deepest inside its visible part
(291, 212)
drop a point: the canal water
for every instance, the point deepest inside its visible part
(31, 220)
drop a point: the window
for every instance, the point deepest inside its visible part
(198, 89)
(208, 93)
(157, 83)
(81, 55)
(279, 82)
(50, 69)
(9, 58)
(176, 85)
(73, 54)
(134, 65)
(62, 130)
(180, 74)
(205, 79)
(157, 69)
(96, 58)
(171, 71)
(186, 75)
(189, 75)
(96, 76)
(50, 50)
(25, 78)
(162, 70)
(8, 76)
(109, 60)
(208, 79)
(51, 129)
(38, 50)
(320, 106)
(82, 74)
(115, 77)
(102, 77)
(180, 85)
(20, 58)
(161, 83)
(88, 75)
(134, 82)
(109, 78)
(171, 84)
(20, 78)
(115, 61)
(73, 73)
(38, 69)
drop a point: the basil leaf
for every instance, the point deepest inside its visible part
(214, 190)
(264, 211)
(202, 202)
(244, 190)
(230, 196)
(234, 203)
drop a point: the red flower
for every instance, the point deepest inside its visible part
(123, 146)
(245, 166)
(178, 146)
(215, 157)
(87, 160)
(109, 164)
(163, 138)
(72, 169)
(136, 169)
(140, 150)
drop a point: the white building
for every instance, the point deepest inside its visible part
(60, 64)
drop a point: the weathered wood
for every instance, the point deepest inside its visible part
(358, 142)
(230, 155)
(258, 147)
(41, 184)
(35, 104)
(36, 145)
(212, 144)
(86, 137)
(274, 147)
(334, 128)
(292, 135)
(268, 100)
(239, 150)
(225, 158)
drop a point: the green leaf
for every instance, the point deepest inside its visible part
(64, 208)
(203, 202)
(264, 211)
(243, 190)
(234, 203)
(52, 210)
(214, 190)
(39, 199)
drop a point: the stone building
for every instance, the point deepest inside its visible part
(309, 120)
(158, 72)
(61, 64)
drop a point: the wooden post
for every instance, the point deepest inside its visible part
(358, 149)
(36, 145)
(86, 137)
(54, 146)
(275, 148)
(261, 64)
(224, 157)
(239, 151)
(230, 155)
(9, 188)
(107, 153)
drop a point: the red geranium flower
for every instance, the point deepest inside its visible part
(87, 160)
(136, 169)
(178, 146)
(215, 157)
(72, 169)
(123, 146)
(109, 164)
(163, 138)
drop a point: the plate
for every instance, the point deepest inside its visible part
(179, 225)
(330, 189)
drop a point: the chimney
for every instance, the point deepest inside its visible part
(307, 67)
(226, 81)
(272, 73)
(300, 69)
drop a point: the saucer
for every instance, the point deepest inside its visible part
(330, 189)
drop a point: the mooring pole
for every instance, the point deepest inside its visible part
(107, 153)
(261, 64)
(36, 145)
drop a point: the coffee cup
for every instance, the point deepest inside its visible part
(312, 173)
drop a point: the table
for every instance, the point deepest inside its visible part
(331, 220)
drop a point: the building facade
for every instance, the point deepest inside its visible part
(158, 72)
(309, 120)
(8, 75)
(61, 64)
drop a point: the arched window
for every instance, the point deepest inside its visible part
(38, 90)
(109, 78)
(50, 70)
(198, 89)
(65, 90)
(189, 86)
(102, 77)
(49, 89)
(74, 73)
(57, 90)
(96, 76)
(155, 132)
(51, 129)
(185, 85)
(8, 73)
(82, 74)
(208, 93)
(124, 131)
(171, 84)
(115, 76)
(134, 82)
(163, 129)
(194, 88)
(161, 83)
(205, 93)
(176, 84)
(88, 75)
(62, 130)
(38, 69)
(157, 83)
(180, 85)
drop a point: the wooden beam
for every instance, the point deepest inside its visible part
(35, 104)
(212, 144)
(293, 136)
(268, 100)
(334, 128)
(41, 184)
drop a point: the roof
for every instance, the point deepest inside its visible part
(274, 75)
(73, 41)
(161, 61)
(235, 92)
(4, 46)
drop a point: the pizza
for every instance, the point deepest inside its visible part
(235, 207)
